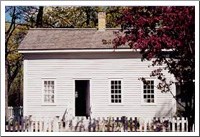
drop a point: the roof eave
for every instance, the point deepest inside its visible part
(77, 50)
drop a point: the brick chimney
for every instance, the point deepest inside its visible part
(101, 21)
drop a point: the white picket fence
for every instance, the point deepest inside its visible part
(15, 111)
(81, 124)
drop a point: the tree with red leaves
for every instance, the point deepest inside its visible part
(165, 35)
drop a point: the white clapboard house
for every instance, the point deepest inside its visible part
(77, 71)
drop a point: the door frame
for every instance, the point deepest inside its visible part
(90, 89)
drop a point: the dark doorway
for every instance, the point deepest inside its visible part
(82, 98)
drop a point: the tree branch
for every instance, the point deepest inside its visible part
(12, 21)
(7, 39)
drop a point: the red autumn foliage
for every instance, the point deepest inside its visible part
(156, 29)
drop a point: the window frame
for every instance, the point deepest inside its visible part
(122, 89)
(155, 93)
(55, 90)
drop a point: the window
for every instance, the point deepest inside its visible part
(116, 91)
(148, 92)
(49, 91)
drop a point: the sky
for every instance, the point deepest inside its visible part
(8, 17)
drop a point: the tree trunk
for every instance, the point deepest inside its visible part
(6, 94)
(39, 17)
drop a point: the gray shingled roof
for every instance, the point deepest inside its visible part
(70, 38)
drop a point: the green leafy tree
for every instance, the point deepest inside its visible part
(79, 17)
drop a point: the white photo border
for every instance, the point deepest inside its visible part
(100, 3)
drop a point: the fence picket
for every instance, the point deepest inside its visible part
(186, 125)
(163, 125)
(183, 121)
(173, 124)
(45, 125)
(145, 125)
(178, 124)
(49, 125)
(36, 126)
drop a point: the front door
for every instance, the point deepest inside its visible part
(82, 98)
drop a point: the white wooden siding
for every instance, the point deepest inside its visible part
(99, 68)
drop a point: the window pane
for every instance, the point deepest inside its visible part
(148, 91)
(52, 98)
(49, 91)
(45, 85)
(115, 91)
(45, 98)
